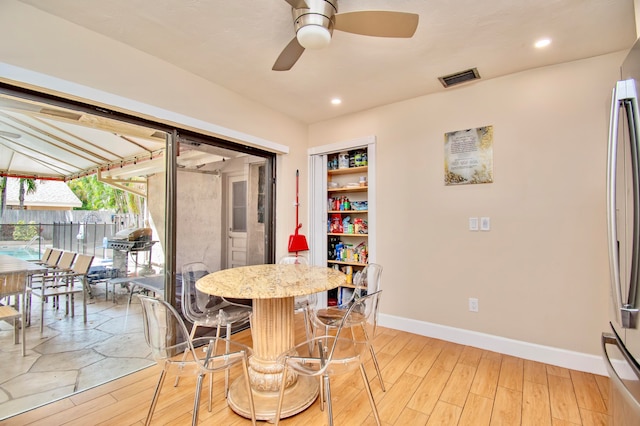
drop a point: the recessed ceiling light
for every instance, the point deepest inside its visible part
(542, 43)
(336, 101)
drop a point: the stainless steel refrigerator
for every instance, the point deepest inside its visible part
(621, 345)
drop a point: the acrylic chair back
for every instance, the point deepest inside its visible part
(367, 280)
(165, 335)
(295, 260)
(192, 272)
(207, 310)
(197, 305)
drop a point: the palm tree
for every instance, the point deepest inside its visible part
(26, 184)
(3, 196)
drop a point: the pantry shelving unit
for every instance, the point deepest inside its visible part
(347, 228)
(358, 184)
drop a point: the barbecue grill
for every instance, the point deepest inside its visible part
(129, 240)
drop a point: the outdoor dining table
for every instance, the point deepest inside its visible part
(13, 265)
(272, 288)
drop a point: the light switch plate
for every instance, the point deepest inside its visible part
(473, 224)
(485, 223)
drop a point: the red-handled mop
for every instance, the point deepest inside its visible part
(297, 242)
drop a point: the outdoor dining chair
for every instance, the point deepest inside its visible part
(167, 337)
(37, 281)
(14, 286)
(68, 283)
(330, 355)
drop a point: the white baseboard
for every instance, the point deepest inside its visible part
(531, 351)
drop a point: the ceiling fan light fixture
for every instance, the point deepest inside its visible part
(313, 37)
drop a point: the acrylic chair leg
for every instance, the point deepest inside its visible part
(374, 357)
(154, 400)
(196, 400)
(226, 372)
(186, 351)
(307, 328)
(327, 391)
(276, 421)
(249, 391)
(322, 398)
(215, 351)
(368, 389)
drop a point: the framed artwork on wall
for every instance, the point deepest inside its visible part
(468, 156)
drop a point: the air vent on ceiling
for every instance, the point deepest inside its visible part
(459, 77)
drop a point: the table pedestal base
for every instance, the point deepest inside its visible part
(297, 398)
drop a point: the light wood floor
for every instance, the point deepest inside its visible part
(428, 381)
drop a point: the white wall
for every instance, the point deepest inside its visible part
(541, 273)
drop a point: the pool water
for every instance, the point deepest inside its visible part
(20, 253)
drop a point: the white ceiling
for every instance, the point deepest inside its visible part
(234, 44)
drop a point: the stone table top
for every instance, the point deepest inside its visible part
(270, 281)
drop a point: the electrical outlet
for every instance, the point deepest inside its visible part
(473, 304)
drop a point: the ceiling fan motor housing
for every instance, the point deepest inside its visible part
(320, 13)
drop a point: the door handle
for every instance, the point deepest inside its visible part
(614, 339)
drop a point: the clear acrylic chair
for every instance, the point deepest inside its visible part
(365, 281)
(304, 303)
(330, 355)
(168, 338)
(205, 310)
(14, 286)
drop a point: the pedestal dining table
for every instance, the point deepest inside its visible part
(272, 288)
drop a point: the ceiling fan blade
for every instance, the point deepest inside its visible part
(289, 56)
(377, 23)
(298, 4)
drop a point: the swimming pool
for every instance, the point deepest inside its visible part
(20, 253)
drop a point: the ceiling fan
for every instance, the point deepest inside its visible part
(315, 20)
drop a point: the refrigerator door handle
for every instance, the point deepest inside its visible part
(612, 154)
(624, 95)
(613, 339)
